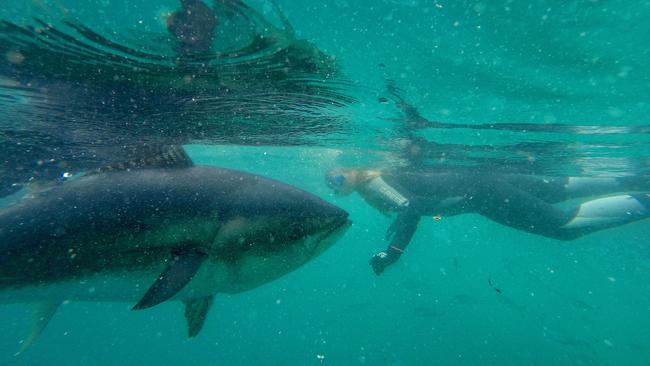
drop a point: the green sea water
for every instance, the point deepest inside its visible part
(584, 302)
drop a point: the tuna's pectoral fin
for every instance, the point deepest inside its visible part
(178, 273)
(42, 314)
(196, 311)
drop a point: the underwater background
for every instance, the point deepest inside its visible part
(567, 80)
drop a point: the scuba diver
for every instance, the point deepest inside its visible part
(523, 202)
(193, 27)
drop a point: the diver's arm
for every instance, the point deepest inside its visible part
(401, 231)
(404, 227)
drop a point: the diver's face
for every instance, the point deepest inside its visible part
(342, 183)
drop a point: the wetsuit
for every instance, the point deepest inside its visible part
(519, 201)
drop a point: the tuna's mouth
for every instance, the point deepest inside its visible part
(317, 243)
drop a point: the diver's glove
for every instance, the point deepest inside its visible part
(381, 260)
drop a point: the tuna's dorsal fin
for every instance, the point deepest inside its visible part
(196, 310)
(151, 156)
(179, 272)
(43, 313)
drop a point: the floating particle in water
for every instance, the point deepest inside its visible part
(611, 279)
(624, 72)
(608, 342)
(15, 57)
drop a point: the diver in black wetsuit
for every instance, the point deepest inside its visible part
(523, 202)
(193, 27)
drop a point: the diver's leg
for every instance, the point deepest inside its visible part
(607, 212)
(557, 189)
(549, 189)
(511, 206)
(587, 186)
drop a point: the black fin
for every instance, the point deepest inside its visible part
(180, 270)
(151, 156)
(196, 311)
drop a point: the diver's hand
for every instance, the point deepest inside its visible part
(381, 260)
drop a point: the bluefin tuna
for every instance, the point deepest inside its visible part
(158, 229)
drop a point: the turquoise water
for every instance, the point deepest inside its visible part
(580, 63)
